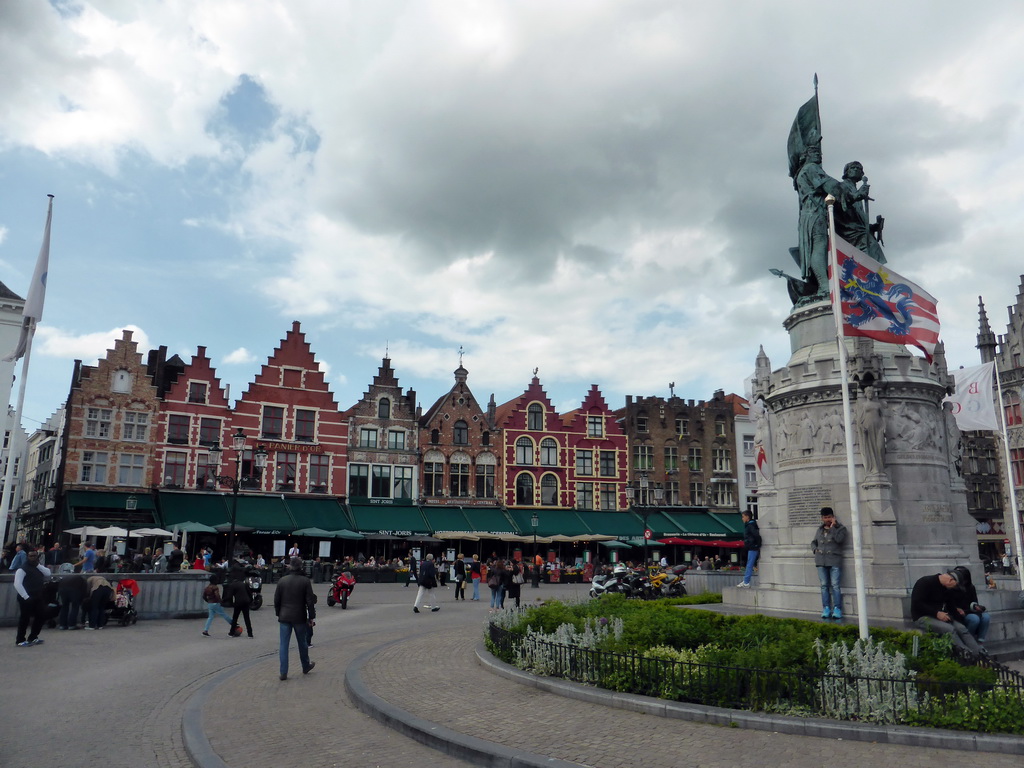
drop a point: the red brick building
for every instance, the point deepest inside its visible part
(289, 410)
(195, 416)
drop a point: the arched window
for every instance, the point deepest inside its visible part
(549, 490)
(384, 408)
(548, 452)
(485, 438)
(461, 435)
(524, 490)
(535, 416)
(524, 451)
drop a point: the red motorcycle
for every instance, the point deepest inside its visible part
(343, 585)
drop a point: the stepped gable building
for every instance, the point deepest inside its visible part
(983, 466)
(460, 450)
(598, 456)
(535, 447)
(195, 416)
(684, 446)
(289, 411)
(383, 454)
(108, 454)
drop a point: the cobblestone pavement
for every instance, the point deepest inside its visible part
(120, 696)
(406, 674)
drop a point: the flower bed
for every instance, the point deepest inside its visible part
(759, 663)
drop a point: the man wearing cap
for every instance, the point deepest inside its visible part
(295, 607)
(929, 609)
(827, 546)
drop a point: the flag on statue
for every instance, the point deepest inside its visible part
(879, 304)
(33, 311)
(973, 404)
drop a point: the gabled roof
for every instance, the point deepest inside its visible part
(7, 293)
(534, 392)
(460, 385)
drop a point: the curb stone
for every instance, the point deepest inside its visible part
(479, 751)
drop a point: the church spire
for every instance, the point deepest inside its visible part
(986, 339)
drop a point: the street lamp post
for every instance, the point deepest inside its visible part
(644, 486)
(259, 461)
(130, 505)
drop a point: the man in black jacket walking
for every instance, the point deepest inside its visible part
(295, 607)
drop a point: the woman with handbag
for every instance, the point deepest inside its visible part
(516, 582)
(495, 582)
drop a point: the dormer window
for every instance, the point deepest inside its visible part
(384, 408)
(535, 417)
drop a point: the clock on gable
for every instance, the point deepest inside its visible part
(121, 381)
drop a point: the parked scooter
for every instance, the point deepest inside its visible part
(343, 585)
(611, 583)
(254, 583)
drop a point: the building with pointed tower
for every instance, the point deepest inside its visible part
(460, 475)
(383, 454)
(981, 465)
(984, 464)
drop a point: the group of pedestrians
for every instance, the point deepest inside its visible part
(505, 579)
(235, 595)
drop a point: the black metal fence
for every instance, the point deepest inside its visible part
(837, 696)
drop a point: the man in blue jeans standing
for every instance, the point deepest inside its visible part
(827, 546)
(752, 545)
(295, 608)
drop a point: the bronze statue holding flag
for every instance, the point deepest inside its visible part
(813, 185)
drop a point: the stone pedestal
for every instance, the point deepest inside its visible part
(914, 518)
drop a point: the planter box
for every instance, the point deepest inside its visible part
(387, 577)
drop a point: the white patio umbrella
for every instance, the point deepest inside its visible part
(151, 532)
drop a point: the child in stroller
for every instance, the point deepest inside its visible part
(124, 602)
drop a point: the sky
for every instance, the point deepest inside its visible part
(591, 188)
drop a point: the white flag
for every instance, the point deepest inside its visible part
(33, 311)
(973, 404)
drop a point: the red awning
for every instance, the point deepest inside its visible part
(703, 543)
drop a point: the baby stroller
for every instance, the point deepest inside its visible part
(124, 602)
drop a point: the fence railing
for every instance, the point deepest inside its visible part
(837, 696)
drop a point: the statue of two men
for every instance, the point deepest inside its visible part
(851, 220)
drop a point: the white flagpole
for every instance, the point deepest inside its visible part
(1015, 521)
(837, 314)
(32, 311)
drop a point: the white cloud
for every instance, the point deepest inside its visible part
(87, 347)
(240, 356)
(595, 188)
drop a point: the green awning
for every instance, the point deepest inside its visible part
(613, 523)
(324, 513)
(489, 520)
(730, 520)
(105, 508)
(389, 519)
(698, 525)
(264, 514)
(551, 522)
(207, 508)
(446, 519)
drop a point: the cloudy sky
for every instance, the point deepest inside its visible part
(593, 188)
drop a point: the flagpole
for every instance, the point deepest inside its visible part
(12, 442)
(32, 312)
(1009, 482)
(837, 314)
